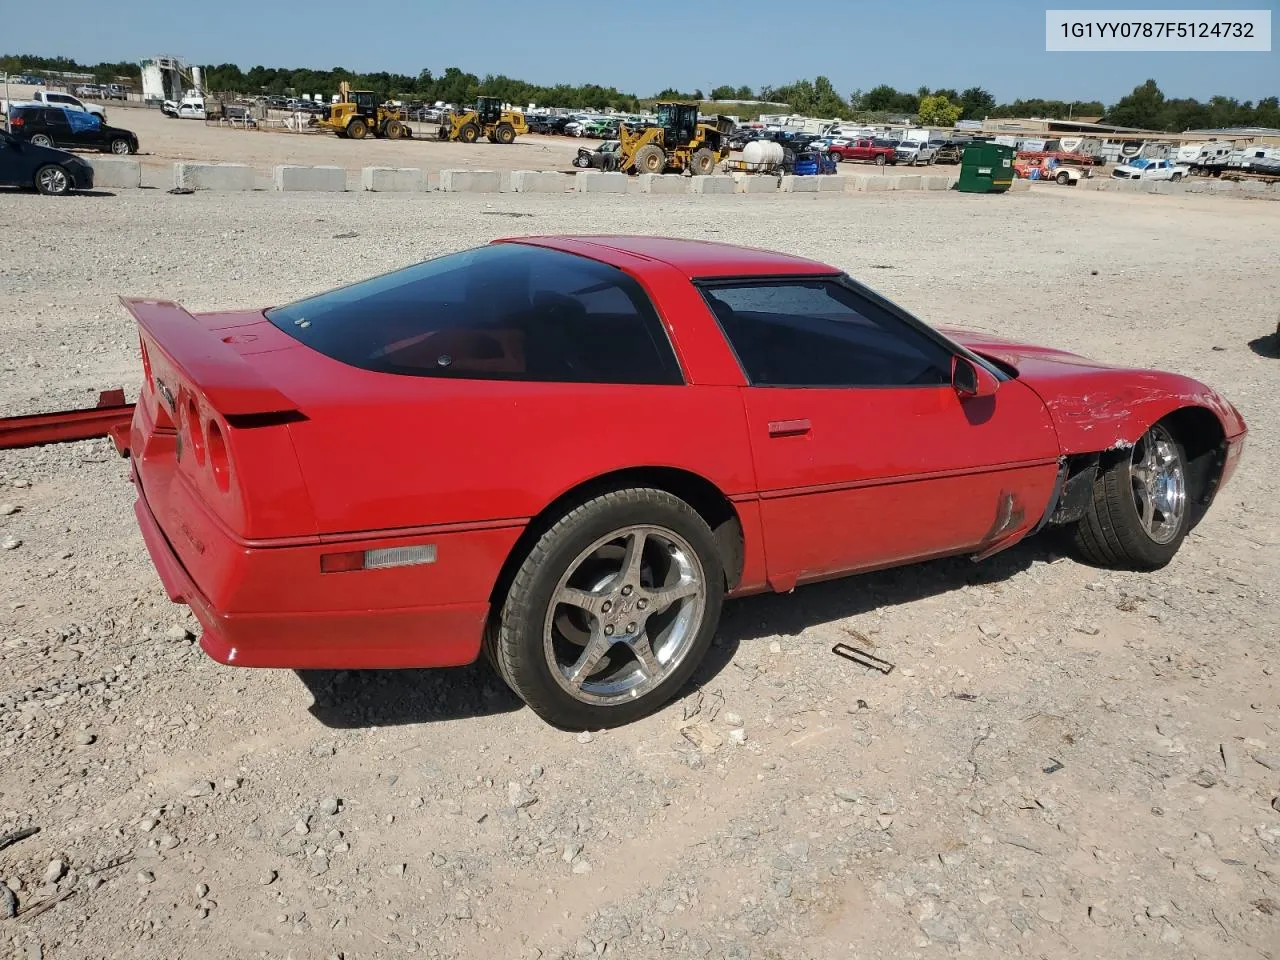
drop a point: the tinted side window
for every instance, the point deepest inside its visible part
(507, 311)
(818, 333)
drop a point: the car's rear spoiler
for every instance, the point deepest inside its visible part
(226, 379)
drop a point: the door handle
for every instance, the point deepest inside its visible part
(789, 428)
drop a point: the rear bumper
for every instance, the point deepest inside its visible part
(372, 637)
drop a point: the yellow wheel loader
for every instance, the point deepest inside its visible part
(358, 115)
(486, 119)
(678, 143)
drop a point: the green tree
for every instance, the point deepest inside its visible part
(976, 103)
(1143, 108)
(723, 93)
(938, 111)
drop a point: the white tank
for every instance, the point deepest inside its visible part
(762, 151)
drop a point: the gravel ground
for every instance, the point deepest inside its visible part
(1066, 762)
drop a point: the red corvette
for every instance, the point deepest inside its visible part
(567, 451)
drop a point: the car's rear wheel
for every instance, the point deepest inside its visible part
(41, 140)
(611, 611)
(1141, 510)
(52, 180)
(121, 147)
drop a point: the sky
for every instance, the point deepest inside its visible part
(643, 48)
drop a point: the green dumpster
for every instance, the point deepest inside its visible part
(986, 167)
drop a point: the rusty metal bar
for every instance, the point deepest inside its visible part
(110, 417)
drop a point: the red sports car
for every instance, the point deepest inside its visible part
(567, 451)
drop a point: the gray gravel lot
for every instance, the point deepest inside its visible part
(1066, 762)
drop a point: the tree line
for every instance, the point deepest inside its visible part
(1145, 107)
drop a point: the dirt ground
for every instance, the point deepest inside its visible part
(1066, 762)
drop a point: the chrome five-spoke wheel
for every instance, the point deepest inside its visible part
(625, 614)
(1159, 484)
(611, 609)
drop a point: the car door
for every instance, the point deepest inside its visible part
(53, 123)
(865, 454)
(16, 165)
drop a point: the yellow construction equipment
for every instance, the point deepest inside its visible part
(678, 143)
(486, 119)
(358, 115)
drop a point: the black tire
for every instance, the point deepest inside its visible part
(357, 129)
(650, 159)
(1176, 177)
(469, 133)
(121, 147)
(53, 181)
(515, 638)
(395, 130)
(41, 140)
(881, 160)
(504, 134)
(1063, 178)
(703, 162)
(1111, 533)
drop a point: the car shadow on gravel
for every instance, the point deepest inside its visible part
(1266, 346)
(347, 699)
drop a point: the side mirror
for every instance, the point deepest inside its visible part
(968, 379)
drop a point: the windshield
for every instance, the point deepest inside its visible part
(1140, 164)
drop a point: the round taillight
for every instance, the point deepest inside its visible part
(195, 430)
(218, 459)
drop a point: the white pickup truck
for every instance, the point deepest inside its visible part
(1145, 168)
(54, 99)
(916, 152)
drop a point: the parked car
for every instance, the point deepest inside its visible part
(877, 151)
(62, 127)
(54, 99)
(950, 151)
(278, 498)
(50, 171)
(1044, 168)
(603, 157)
(1147, 169)
(916, 152)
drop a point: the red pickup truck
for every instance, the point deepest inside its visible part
(876, 151)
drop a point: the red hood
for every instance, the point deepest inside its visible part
(1098, 405)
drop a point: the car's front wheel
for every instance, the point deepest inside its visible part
(52, 180)
(611, 611)
(121, 147)
(1140, 512)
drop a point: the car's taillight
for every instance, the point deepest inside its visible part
(147, 383)
(195, 431)
(218, 459)
(17, 122)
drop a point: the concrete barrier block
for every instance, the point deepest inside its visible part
(212, 176)
(596, 181)
(1020, 186)
(540, 181)
(1128, 186)
(1252, 187)
(1222, 186)
(1091, 183)
(935, 182)
(310, 179)
(794, 184)
(755, 182)
(108, 172)
(712, 184)
(663, 183)
(392, 179)
(871, 183)
(470, 181)
(831, 183)
(1197, 186)
(912, 181)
